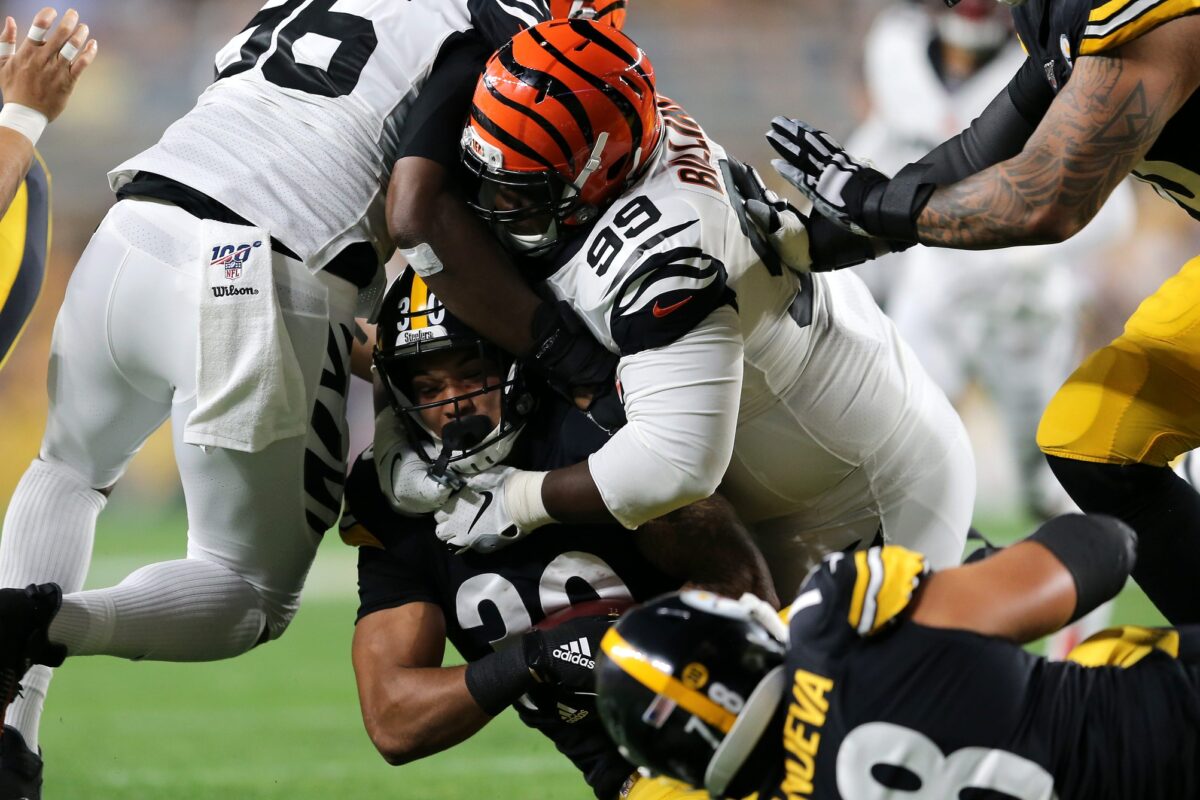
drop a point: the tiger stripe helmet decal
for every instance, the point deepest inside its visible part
(565, 116)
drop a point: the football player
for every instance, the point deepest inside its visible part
(1007, 320)
(794, 394)
(1109, 89)
(462, 404)
(893, 681)
(36, 82)
(220, 293)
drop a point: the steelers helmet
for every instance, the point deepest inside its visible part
(687, 686)
(413, 323)
(563, 119)
(610, 12)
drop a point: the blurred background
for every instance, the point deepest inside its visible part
(733, 65)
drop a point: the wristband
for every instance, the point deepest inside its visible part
(498, 679)
(423, 260)
(24, 120)
(523, 499)
(888, 208)
(1099, 552)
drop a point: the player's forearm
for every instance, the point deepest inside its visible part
(706, 546)
(476, 281)
(16, 156)
(419, 712)
(571, 495)
(1097, 129)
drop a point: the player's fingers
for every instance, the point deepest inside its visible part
(85, 58)
(75, 43)
(40, 27)
(65, 30)
(8, 39)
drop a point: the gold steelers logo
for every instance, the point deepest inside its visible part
(695, 675)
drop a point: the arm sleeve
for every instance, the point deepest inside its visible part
(434, 124)
(682, 404)
(996, 135)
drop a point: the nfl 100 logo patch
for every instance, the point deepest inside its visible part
(232, 257)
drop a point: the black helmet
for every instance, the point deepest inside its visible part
(687, 685)
(414, 323)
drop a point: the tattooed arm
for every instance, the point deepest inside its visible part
(1097, 129)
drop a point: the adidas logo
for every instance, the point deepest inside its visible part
(577, 652)
(571, 715)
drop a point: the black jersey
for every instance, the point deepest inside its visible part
(1056, 32)
(489, 599)
(878, 703)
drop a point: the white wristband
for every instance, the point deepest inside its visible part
(24, 120)
(422, 259)
(523, 500)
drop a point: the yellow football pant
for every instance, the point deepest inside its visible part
(661, 788)
(1137, 400)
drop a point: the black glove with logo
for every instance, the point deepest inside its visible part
(563, 656)
(571, 359)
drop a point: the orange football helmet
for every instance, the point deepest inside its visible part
(609, 11)
(563, 118)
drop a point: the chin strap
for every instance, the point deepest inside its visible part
(593, 162)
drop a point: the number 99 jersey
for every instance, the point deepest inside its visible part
(299, 132)
(881, 707)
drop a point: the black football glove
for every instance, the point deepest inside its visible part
(571, 359)
(565, 655)
(846, 190)
(776, 229)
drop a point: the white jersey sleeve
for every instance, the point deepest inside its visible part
(652, 281)
(300, 130)
(682, 405)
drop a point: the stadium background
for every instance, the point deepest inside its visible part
(283, 721)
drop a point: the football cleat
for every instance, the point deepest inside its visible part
(20, 768)
(25, 616)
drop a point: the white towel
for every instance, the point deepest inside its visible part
(249, 386)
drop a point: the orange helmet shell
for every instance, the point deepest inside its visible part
(572, 97)
(610, 12)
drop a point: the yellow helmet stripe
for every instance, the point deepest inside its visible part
(419, 300)
(639, 667)
(862, 576)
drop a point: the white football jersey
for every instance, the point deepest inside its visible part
(300, 130)
(825, 381)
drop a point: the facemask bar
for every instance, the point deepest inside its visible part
(454, 451)
(555, 198)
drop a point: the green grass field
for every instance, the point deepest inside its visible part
(282, 721)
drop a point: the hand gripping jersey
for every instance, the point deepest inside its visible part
(879, 706)
(827, 390)
(489, 599)
(300, 130)
(1056, 32)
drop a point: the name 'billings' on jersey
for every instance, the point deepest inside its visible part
(301, 128)
(828, 391)
(880, 706)
(1056, 32)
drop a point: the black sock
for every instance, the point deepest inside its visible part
(1164, 510)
